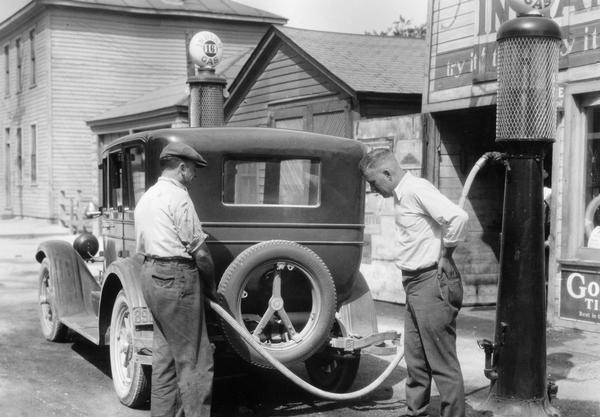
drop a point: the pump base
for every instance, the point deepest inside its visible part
(514, 407)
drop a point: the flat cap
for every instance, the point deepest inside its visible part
(181, 150)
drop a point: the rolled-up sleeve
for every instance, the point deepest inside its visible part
(452, 219)
(187, 223)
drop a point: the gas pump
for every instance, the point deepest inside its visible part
(528, 52)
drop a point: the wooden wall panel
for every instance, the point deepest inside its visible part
(23, 109)
(287, 76)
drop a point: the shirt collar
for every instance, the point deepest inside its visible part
(405, 178)
(173, 181)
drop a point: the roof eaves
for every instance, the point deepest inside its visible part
(245, 76)
(317, 64)
(35, 5)
(98, 124)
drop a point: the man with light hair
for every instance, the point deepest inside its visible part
(428, 228)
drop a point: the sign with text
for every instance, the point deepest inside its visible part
(580, 295)
(464, 49)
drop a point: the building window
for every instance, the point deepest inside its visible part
(32, 56)
(6, 70)
(19, 65)
(7, 167)
(592, 180)
(33, 152)
(19, 157)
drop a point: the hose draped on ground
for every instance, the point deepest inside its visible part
(334, 396)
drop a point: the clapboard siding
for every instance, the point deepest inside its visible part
(21, 110)
(101, 60)
(287, 75)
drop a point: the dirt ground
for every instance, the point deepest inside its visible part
(40, 378)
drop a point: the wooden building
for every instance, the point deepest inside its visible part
(459, 104)
(66, 62)
(323, 82)
(356, 86)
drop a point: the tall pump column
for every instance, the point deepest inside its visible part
(206, 87)
(528, 52)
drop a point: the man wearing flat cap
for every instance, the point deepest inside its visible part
(176, 273)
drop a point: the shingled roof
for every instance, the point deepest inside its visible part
(210, 9)
(173, 95)
(358, 64)
(384, 64)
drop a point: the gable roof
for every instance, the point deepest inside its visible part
(356, 63)
(209, 9)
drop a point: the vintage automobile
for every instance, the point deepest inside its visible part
(284, 211)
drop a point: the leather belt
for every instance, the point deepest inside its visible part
(169, 259)
(419, 271)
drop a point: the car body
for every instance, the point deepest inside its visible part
(276, 205)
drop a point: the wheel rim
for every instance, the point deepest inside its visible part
(122, 349)
(271, 324)
(46, 297)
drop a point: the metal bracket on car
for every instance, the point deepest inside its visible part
(374, 344)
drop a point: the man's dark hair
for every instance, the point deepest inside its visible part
(170, 162)
(374, 158)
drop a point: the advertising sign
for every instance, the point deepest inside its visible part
(580, 295)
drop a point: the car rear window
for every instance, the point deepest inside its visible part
(290, 182)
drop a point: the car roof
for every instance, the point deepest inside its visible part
(253, 140)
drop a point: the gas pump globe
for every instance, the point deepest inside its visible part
(528, 52)
(206, 88)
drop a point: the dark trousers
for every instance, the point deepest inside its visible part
(182, 357)
(432, 305)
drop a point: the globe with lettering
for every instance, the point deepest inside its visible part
(206, 49)
(530, 6)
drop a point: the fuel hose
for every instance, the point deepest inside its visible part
(495, 156)
(334, 396)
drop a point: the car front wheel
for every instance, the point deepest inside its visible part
(52, 329)
(130, 379)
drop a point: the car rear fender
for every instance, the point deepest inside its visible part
(121, 274)
(357, 315)
(72, 280)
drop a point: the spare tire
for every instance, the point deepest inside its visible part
(283, 293)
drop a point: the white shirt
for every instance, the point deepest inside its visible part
(166, 221)
(424, 217)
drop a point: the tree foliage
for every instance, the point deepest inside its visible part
(403, 28)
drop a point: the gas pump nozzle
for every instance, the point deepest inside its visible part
(489, 348)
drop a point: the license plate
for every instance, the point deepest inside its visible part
(141, 316)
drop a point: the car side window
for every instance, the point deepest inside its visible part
(136, 173)
(115, 185)
(293, 182)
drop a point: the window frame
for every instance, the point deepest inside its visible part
(7, 70)
(32, 58)
(19, 139)
(117, 152)
(127, 173)
(33, 153)
(266, 159)
(19, 57)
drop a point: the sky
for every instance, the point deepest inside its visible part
(348, 16)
